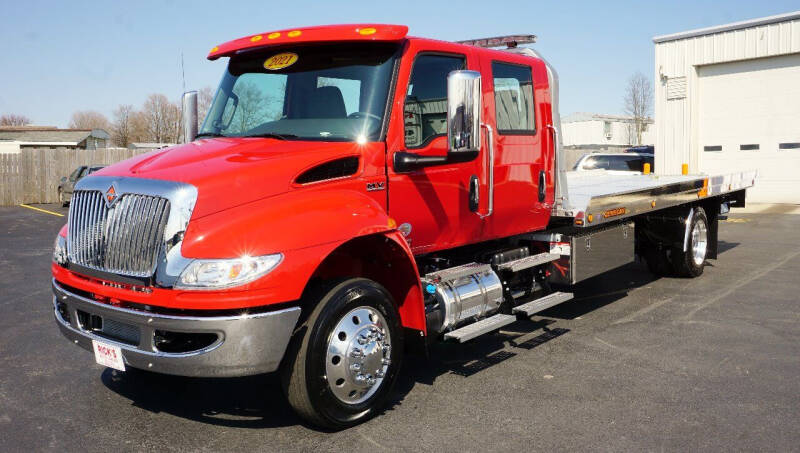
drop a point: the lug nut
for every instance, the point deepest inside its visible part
(355, 366)
(362, 339)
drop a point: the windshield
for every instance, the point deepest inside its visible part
(323, 92)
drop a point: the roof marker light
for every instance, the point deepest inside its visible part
(274, 35)
(214, 49)
(256, 38)
(294, 33)
(366, 31)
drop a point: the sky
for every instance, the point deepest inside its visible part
(60, 57)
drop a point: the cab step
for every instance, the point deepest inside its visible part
(541, 304)
(528, 262)
(479, 328)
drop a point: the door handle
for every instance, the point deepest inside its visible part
(474, 193)
(542, 185)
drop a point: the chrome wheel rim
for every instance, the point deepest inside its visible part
(699, 242)
(358, 356)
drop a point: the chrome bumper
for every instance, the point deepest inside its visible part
(245, 344)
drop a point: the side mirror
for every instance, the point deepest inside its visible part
(189, 117)
(464, 111)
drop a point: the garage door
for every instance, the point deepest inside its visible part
(749, 117)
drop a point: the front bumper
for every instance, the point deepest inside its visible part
(245, 344)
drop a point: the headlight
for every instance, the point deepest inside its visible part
(60, 250)
(224, 273)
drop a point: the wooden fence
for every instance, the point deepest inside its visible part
(33, 175)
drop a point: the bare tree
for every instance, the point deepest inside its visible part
(161, 118)
(138, 128)
(14, 120)
(204, 98)
(251, 110)
(122, 127)
(638, 102)
(88, 119)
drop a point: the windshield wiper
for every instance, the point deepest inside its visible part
(272, 135)
(209, 134)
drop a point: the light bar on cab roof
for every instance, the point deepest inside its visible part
(509, 41)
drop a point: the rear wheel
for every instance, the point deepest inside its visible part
(345, 356)
(691, 262)
(658, 261)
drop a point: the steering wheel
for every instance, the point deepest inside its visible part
(364, 115)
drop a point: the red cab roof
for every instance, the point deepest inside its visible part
(347, 32)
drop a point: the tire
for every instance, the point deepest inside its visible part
(318, 376)
(691, 262)
(658, 261)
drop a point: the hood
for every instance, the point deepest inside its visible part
(229, 172)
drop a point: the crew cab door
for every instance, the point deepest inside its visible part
(431, 205)
(523, 185)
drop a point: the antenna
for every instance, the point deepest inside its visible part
(183, 74)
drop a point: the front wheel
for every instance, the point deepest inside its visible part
(691, 262)
(345, 357)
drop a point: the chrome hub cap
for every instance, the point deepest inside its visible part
(359, 351)
(699, 242)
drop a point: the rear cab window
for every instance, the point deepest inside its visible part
(513, 97)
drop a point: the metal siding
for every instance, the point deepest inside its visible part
(768, 89)
(679, 58)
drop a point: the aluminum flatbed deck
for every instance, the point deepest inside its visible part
(596, 197)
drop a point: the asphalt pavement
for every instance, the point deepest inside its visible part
(632, 363)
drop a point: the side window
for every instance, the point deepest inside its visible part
(593, 163)
(425, 111)
(513, 98)
(83, 172)
(74, 175)
(625, 163)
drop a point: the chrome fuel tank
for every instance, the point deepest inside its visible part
(459, 294)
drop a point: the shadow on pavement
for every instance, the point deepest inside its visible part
(257, 401)
(246, 402)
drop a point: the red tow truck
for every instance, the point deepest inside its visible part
(354, 192)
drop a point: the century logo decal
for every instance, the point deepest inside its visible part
(111, 195)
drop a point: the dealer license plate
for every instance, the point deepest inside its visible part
(108, 355)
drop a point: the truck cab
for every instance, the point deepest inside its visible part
(351, 191)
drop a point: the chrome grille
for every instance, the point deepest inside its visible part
(125, 239)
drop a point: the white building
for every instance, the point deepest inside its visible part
(602, 132)
(727, 98)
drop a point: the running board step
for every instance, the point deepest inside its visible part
(528, 262)
(541, 304)
(479, 328)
